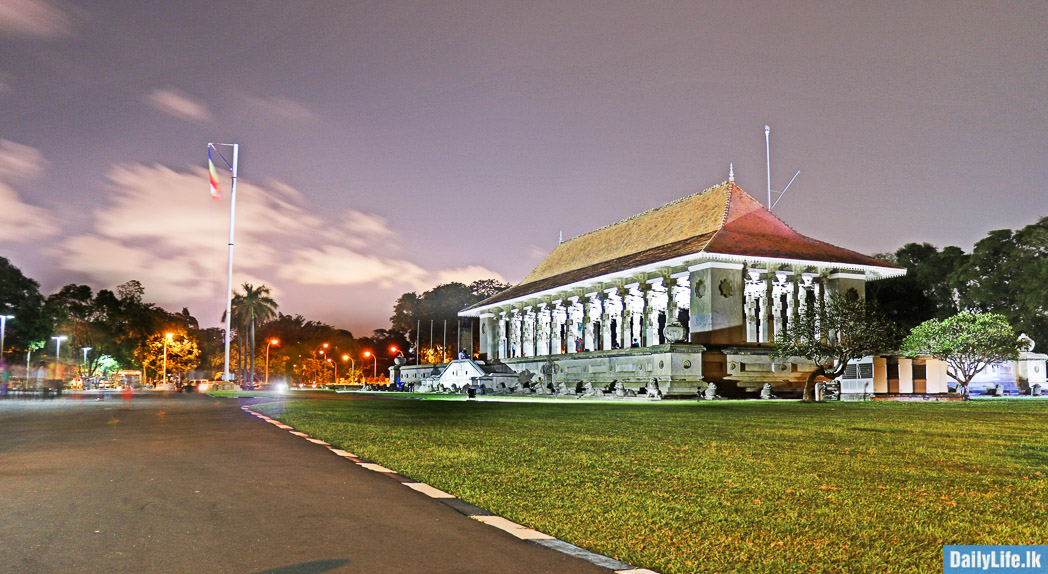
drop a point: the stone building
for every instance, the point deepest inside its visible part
(687, 293)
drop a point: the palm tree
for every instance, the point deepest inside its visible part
(253, 306)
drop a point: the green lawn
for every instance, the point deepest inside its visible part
(727, 486)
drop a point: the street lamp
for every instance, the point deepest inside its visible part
(167, 339)
(374, 374)
(3, 328)
(335, 365)
(353, 365)
(273, 341)
(58, 345)
(84, 368)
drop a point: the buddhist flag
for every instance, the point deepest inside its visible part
(216, 193)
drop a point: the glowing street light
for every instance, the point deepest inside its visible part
(273, 341)
(85, 350)
(322, 350)
(167, 338)
(375, 370)
(353, 365)
(3, 327)
(335, 365)
(58, 345)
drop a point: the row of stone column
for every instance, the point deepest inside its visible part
(615, 317)
(774, 298)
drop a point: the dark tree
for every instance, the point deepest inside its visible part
(844, 328)
(1007, 274)
(435, 308)
(927, 291)
(20, 296)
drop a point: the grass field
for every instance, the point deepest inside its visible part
(727, 486)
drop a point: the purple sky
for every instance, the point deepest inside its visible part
(387, 147)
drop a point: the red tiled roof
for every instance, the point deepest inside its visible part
(751, 230)
(723, 219)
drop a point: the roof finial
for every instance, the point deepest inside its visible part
(561, 240)
(731, 173)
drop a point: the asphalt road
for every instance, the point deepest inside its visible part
(190, 483)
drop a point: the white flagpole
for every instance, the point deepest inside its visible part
(226, 376)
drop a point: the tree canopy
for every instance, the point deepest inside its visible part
(178, 353)
(927, 291)
(439, 304)
(20, 296)
(251, 308)
(1006, 273)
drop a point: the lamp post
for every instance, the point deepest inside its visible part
(353, 365)
(84, 368)
(58, 345)
(335, 365)
(3, 328)
(167, 339)
(321, 350)
(273, 341)
(374, 374)
(58, 354)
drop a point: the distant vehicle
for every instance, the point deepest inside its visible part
(195, 385)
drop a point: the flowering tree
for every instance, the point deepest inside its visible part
(968, 342)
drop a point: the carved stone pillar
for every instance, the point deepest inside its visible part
(574, 316)
(782, 291)
(657, 303)
(606, 317)
(529, 332)
(544, 330)
(516, 340)
(625, 319)
(555, 341)
(593, 310)
(501, 344)
(756, 306)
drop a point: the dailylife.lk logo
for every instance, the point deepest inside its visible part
(995, 559)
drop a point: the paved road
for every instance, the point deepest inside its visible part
(190, 483)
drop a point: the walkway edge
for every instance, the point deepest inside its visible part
(467, 509)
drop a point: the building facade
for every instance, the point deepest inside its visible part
(688, 293)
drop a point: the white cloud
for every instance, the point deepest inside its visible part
(34, 19)
(21, 222)
(179, 104)
(336, 265)
(537, 253)
(169, 278)
(160, 226)
(465, 275)
(360, 230)
(19, 161)
(278, 109)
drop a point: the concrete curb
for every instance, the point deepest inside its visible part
(467, 509)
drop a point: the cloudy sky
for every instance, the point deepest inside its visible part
(387, 146)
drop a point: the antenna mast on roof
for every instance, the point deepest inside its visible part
(767, 151)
